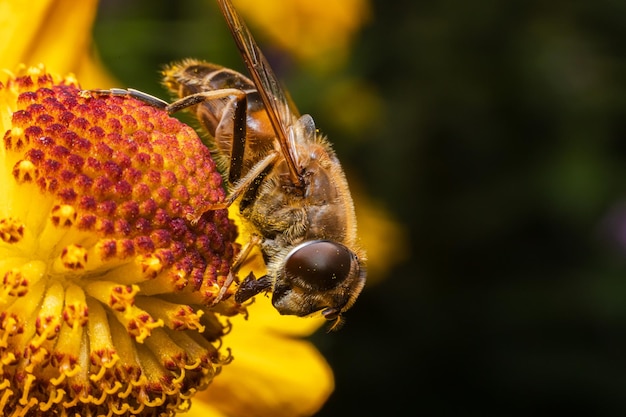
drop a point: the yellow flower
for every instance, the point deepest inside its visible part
(275, 371)
(110, 256)
(309, 30)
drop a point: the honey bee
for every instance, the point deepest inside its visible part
(285, 175)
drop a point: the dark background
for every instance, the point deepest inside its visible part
(499, 142)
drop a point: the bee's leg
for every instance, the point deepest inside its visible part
(238, 184)
(251, 286)
(130, 92)
(239, 260)
(178, 105)
(244, 183)
(240, 104)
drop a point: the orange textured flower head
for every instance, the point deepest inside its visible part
(106, 281)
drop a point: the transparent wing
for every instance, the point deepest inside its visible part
(277, 104)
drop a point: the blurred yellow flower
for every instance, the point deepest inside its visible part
(318, 32)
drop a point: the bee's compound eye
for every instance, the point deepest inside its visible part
(321, 264)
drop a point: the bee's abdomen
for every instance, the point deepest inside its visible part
(193, 76)
(217, 114)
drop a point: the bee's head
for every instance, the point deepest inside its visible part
(319, 275)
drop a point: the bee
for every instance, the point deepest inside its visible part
(285, 175)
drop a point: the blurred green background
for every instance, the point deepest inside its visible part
(495, 131)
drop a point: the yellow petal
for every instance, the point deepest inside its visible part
(272, 374)
(20, 22)
(54, 32)
(201, 408)
(92, 72)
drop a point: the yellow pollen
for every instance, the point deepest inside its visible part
(14, 284)
(11, 230)
(25, 171)
(73, 258)
(151, 266)
(63, 215)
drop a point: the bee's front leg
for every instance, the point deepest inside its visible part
(234, 268)
(252, 286)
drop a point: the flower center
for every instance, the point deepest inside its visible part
(109, 255)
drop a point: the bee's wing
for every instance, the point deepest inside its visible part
(279, 107)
